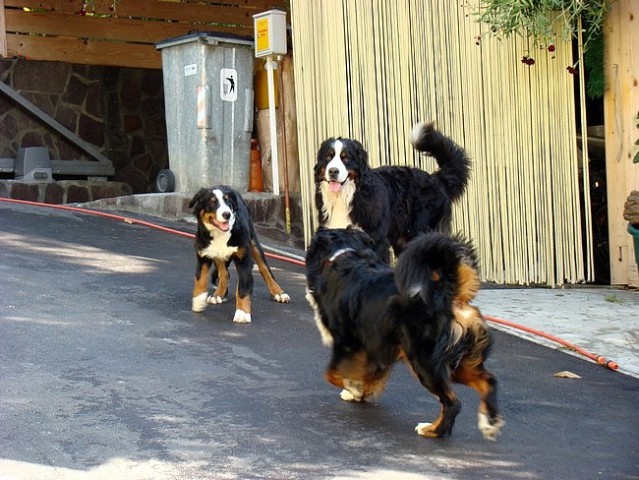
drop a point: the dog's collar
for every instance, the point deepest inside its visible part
(341, 251)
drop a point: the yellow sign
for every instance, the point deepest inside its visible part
(270, 33)
(262, 35)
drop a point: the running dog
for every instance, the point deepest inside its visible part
(225, 233)
(392, 204)
(372, 316)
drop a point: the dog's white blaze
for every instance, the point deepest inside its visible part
(327, 338)
(337, 205)
(223, 208)
(336, 162)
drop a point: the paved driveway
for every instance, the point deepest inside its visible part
(105, 373)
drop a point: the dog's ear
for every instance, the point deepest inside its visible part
(199, 199)
(361, 152)
(362, 236)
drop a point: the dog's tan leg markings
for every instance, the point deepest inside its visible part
(242, 308)
(443, 424)
(375, 385)
(353, 391)
(334, 378)
(489, 421)
(219, 296)
(351, 375)
(200, 289)
(274, 288)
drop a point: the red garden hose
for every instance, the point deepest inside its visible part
(599, 359)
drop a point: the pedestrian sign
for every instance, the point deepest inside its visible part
(228, 84)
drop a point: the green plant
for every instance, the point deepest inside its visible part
(613, 299)
(537, 18)
(594, 65)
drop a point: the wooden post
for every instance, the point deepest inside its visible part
(3, 31)
(621, 107)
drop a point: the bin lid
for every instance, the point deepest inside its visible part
(212, 38)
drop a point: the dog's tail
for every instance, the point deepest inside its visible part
(454, 164)
(435, 275)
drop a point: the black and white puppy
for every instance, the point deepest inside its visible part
(372, 316)
(225, 233)
(392, 204)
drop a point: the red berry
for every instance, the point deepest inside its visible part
(551, 48)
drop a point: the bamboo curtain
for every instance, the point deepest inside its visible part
(371, 69)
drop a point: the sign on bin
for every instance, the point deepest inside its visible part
(228, 84)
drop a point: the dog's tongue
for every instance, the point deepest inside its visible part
(224, 226)
(334, 186)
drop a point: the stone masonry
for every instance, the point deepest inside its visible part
(120, 111)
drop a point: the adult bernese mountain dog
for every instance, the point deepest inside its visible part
(372, 316)
(225, 233)
(392, 204)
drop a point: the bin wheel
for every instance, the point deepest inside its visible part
(165, 181)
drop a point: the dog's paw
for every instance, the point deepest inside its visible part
(490, 427)
(215, 299)
(242, 317)
(426, 429)
(347, 396)
(282, 297)
(199, 303)
(353, 391)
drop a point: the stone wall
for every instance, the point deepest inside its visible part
(63, 191)
(120, 111)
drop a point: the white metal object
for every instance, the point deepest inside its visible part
(270, 33)
(270, 66)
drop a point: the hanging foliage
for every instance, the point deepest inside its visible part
(537, 18)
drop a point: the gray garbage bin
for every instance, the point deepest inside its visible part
(208, 95)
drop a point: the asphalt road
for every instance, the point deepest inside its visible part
(106, 373)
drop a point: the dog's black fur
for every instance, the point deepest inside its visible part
(392, 204)
(225, 233)
(372, 316)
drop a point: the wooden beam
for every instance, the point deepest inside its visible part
(120, 33)
(89, 52)
(105, 28)
(3, 31)
(240, 12)
(621, 107)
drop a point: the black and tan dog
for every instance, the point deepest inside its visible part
(226, 233)
(393, 204)
(372, 316)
